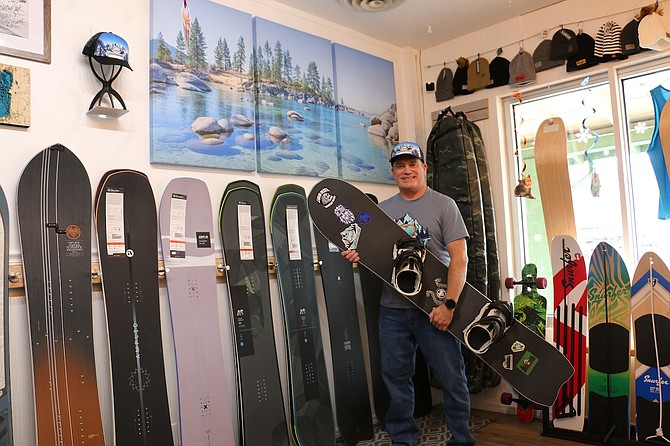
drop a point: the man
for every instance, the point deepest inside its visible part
(434, 219)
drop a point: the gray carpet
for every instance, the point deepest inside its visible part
(434, 431)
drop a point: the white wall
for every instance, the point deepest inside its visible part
(61, 93)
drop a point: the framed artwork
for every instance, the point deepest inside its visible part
(201, 86)
(367, 121)
(14, 96)
(25, 29)
(295, 103)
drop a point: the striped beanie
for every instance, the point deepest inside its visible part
(608, 42)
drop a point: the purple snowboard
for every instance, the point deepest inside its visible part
(186, 229)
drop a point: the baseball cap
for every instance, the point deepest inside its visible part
(542, 57)
(585, 57)
(563, 44)
(478, 74)
(445, 85)
(108, 49)
(521, 70)
(499, 69)
(406, 148)
(630, 43)
(652, 33)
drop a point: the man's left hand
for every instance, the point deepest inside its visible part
(441, 317)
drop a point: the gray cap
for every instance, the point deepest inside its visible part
(542, 57)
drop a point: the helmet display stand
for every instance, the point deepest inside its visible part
(96, 108)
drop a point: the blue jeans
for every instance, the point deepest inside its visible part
(400, 332)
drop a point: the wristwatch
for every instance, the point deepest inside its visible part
(450, 304)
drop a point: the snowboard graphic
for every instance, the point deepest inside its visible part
(6, 437)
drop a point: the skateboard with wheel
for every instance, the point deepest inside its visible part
(350, 220)
(530, 308)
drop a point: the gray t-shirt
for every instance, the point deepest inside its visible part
(433, 218)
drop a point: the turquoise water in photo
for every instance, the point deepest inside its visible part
(310, 148)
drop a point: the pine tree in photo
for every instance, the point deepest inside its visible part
(181, 54)
(197, 47)
(162, 51)
(240, 58)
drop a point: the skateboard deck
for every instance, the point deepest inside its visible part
(551, 162)
(6, 436)
(570, 328)
(609, 348)
(650, 304)
(126, 223)
(349, 219)
(311, 409)
(354, 416)
(530, 308)
(54, 213)
(186, 229)
(242, 225)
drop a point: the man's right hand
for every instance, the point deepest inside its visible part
(351, 255)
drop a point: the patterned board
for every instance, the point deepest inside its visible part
(570, 328)
(186, 229)
(6, 437)
(311, 407)
(126, 222)
(651, 312)
(530, 308)
(609, 347)
(242, 226)
(54, 208)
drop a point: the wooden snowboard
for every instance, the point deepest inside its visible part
(609, 344)
(6, 436)
(570, 328)
(186, 229)
(311, 409)
(127, 227)
(242, 225)
(551, 162)
(650, 308)
(352, 403)
(54, 210)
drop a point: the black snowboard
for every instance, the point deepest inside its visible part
(242, 225)
(6, 437)
(125, 215)
(54, 210)
(311, 408)
(352, 399)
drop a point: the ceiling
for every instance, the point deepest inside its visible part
(407, 25)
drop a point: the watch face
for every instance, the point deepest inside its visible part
(450, 303)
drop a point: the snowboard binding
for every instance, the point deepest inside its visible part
(408, 257)
(489, 327)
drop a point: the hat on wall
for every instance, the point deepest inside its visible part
(563, 44)
(630, 43)
(444, 85)
(499, 69)
(652, 33)
(608, 42)
(108, 49)
(585, 58)
(542, 57)
(521, 70)
(406, 148)
(461, 77)
(478, 74)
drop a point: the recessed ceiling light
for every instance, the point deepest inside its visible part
(371, 5)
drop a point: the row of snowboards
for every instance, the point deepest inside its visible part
(54, 201)
(596, 305)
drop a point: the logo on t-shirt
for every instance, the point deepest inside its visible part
(414, 228)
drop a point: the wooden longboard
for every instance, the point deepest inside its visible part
(54, 209)
(311, 408)
(551, 162)
(570, 328)
(608, 380)
(242, 226)
(651, 312)
(354, 416)
(349, 219)
(186, 228)
(6, 436)
(127, 227)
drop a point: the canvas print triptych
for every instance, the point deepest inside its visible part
(232, 91)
